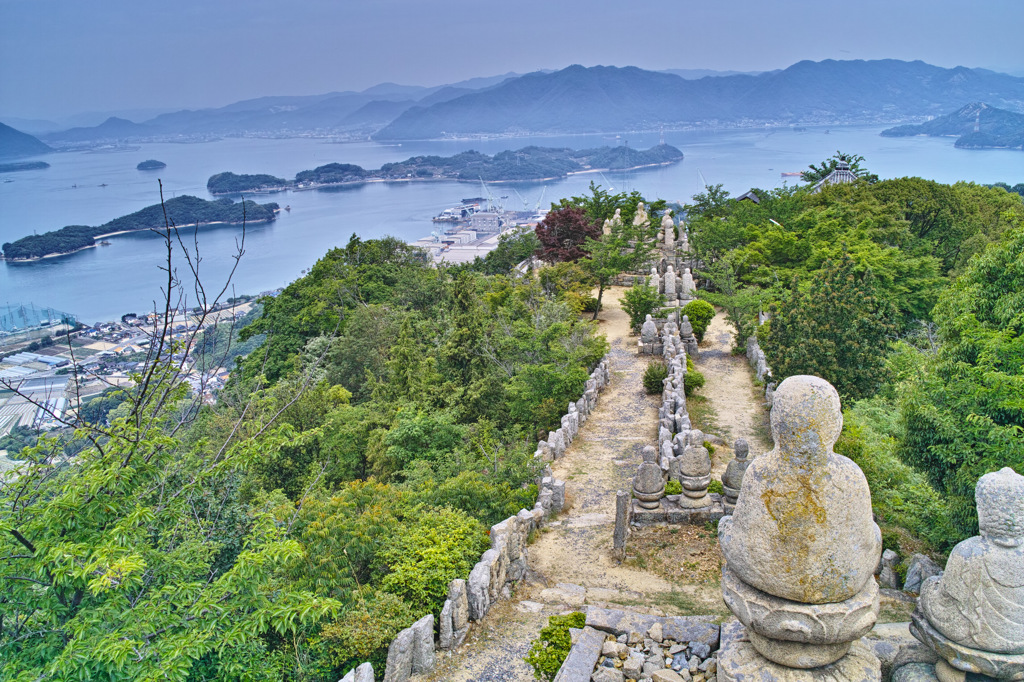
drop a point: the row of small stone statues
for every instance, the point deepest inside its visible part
(666, 235)
(801, 548)
(681, 453)
(671, 341)
(673, 286)
(554, 446)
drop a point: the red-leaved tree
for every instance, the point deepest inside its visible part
(562, 234)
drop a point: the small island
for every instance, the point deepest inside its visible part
(151, 164)
(523, 165)
(183, 211)
(23, 166)
(976, 126)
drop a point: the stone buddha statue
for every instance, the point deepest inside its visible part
(804, 528)
(640, 218)
(978, 602)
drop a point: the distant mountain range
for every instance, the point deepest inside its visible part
(977, 126)
(581, 99)
(15, 144)
(606, 99)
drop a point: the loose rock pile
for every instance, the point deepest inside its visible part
(651, 657)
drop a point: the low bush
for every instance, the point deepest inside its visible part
(654, 375)
(548, 651)
(673, 488)
(716, 487)
(692, 381)
(700, 313)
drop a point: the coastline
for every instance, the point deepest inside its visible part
(366, 181)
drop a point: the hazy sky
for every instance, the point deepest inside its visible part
(61, 57)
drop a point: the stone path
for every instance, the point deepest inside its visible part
(576, 547)
(731, 393)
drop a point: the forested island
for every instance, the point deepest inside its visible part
(151, 164)
(977, 126)
(528, 163)
(181, 211)
(23, 166)
(230, 183)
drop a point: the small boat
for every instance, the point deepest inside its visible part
(104, 243)
(103, 184)
(792, 175)
(288, 208)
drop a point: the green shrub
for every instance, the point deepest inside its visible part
(442, 546)
(709, 447)
(364, 632)
(655, 373)
(716, 487)
(700, 313)
(640, 301)
(673, 488)
(548, 651)
(692, 381)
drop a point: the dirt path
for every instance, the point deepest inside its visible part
(731, 393)
(576, 547)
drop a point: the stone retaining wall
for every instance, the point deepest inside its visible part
(500, 567)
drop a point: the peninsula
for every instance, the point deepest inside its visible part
(976, 126)
(183, 211)
(526, 164)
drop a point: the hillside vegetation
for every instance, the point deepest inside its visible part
(349, 471)
(904, 294)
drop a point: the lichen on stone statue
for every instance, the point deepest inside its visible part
(802, 545)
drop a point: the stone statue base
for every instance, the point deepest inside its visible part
(672, 513)
(649, 500)
(796, 634)
(739, 661)
(960, 657)
(687, 502)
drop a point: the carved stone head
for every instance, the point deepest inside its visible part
(1000, 499)
(806, 419)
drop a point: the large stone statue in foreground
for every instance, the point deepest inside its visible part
(973, 614)
(800, 550)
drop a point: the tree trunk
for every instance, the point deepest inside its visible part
(600, 293)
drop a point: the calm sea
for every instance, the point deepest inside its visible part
(89, 188)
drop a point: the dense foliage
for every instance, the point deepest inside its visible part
(348, 472)
(835, 329)
(963, 414)
(180, 212)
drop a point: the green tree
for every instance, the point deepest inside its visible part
(639, 301)
(837, 329)
(700, 314)
(815, 174)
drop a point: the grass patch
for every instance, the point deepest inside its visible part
(702, 414)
